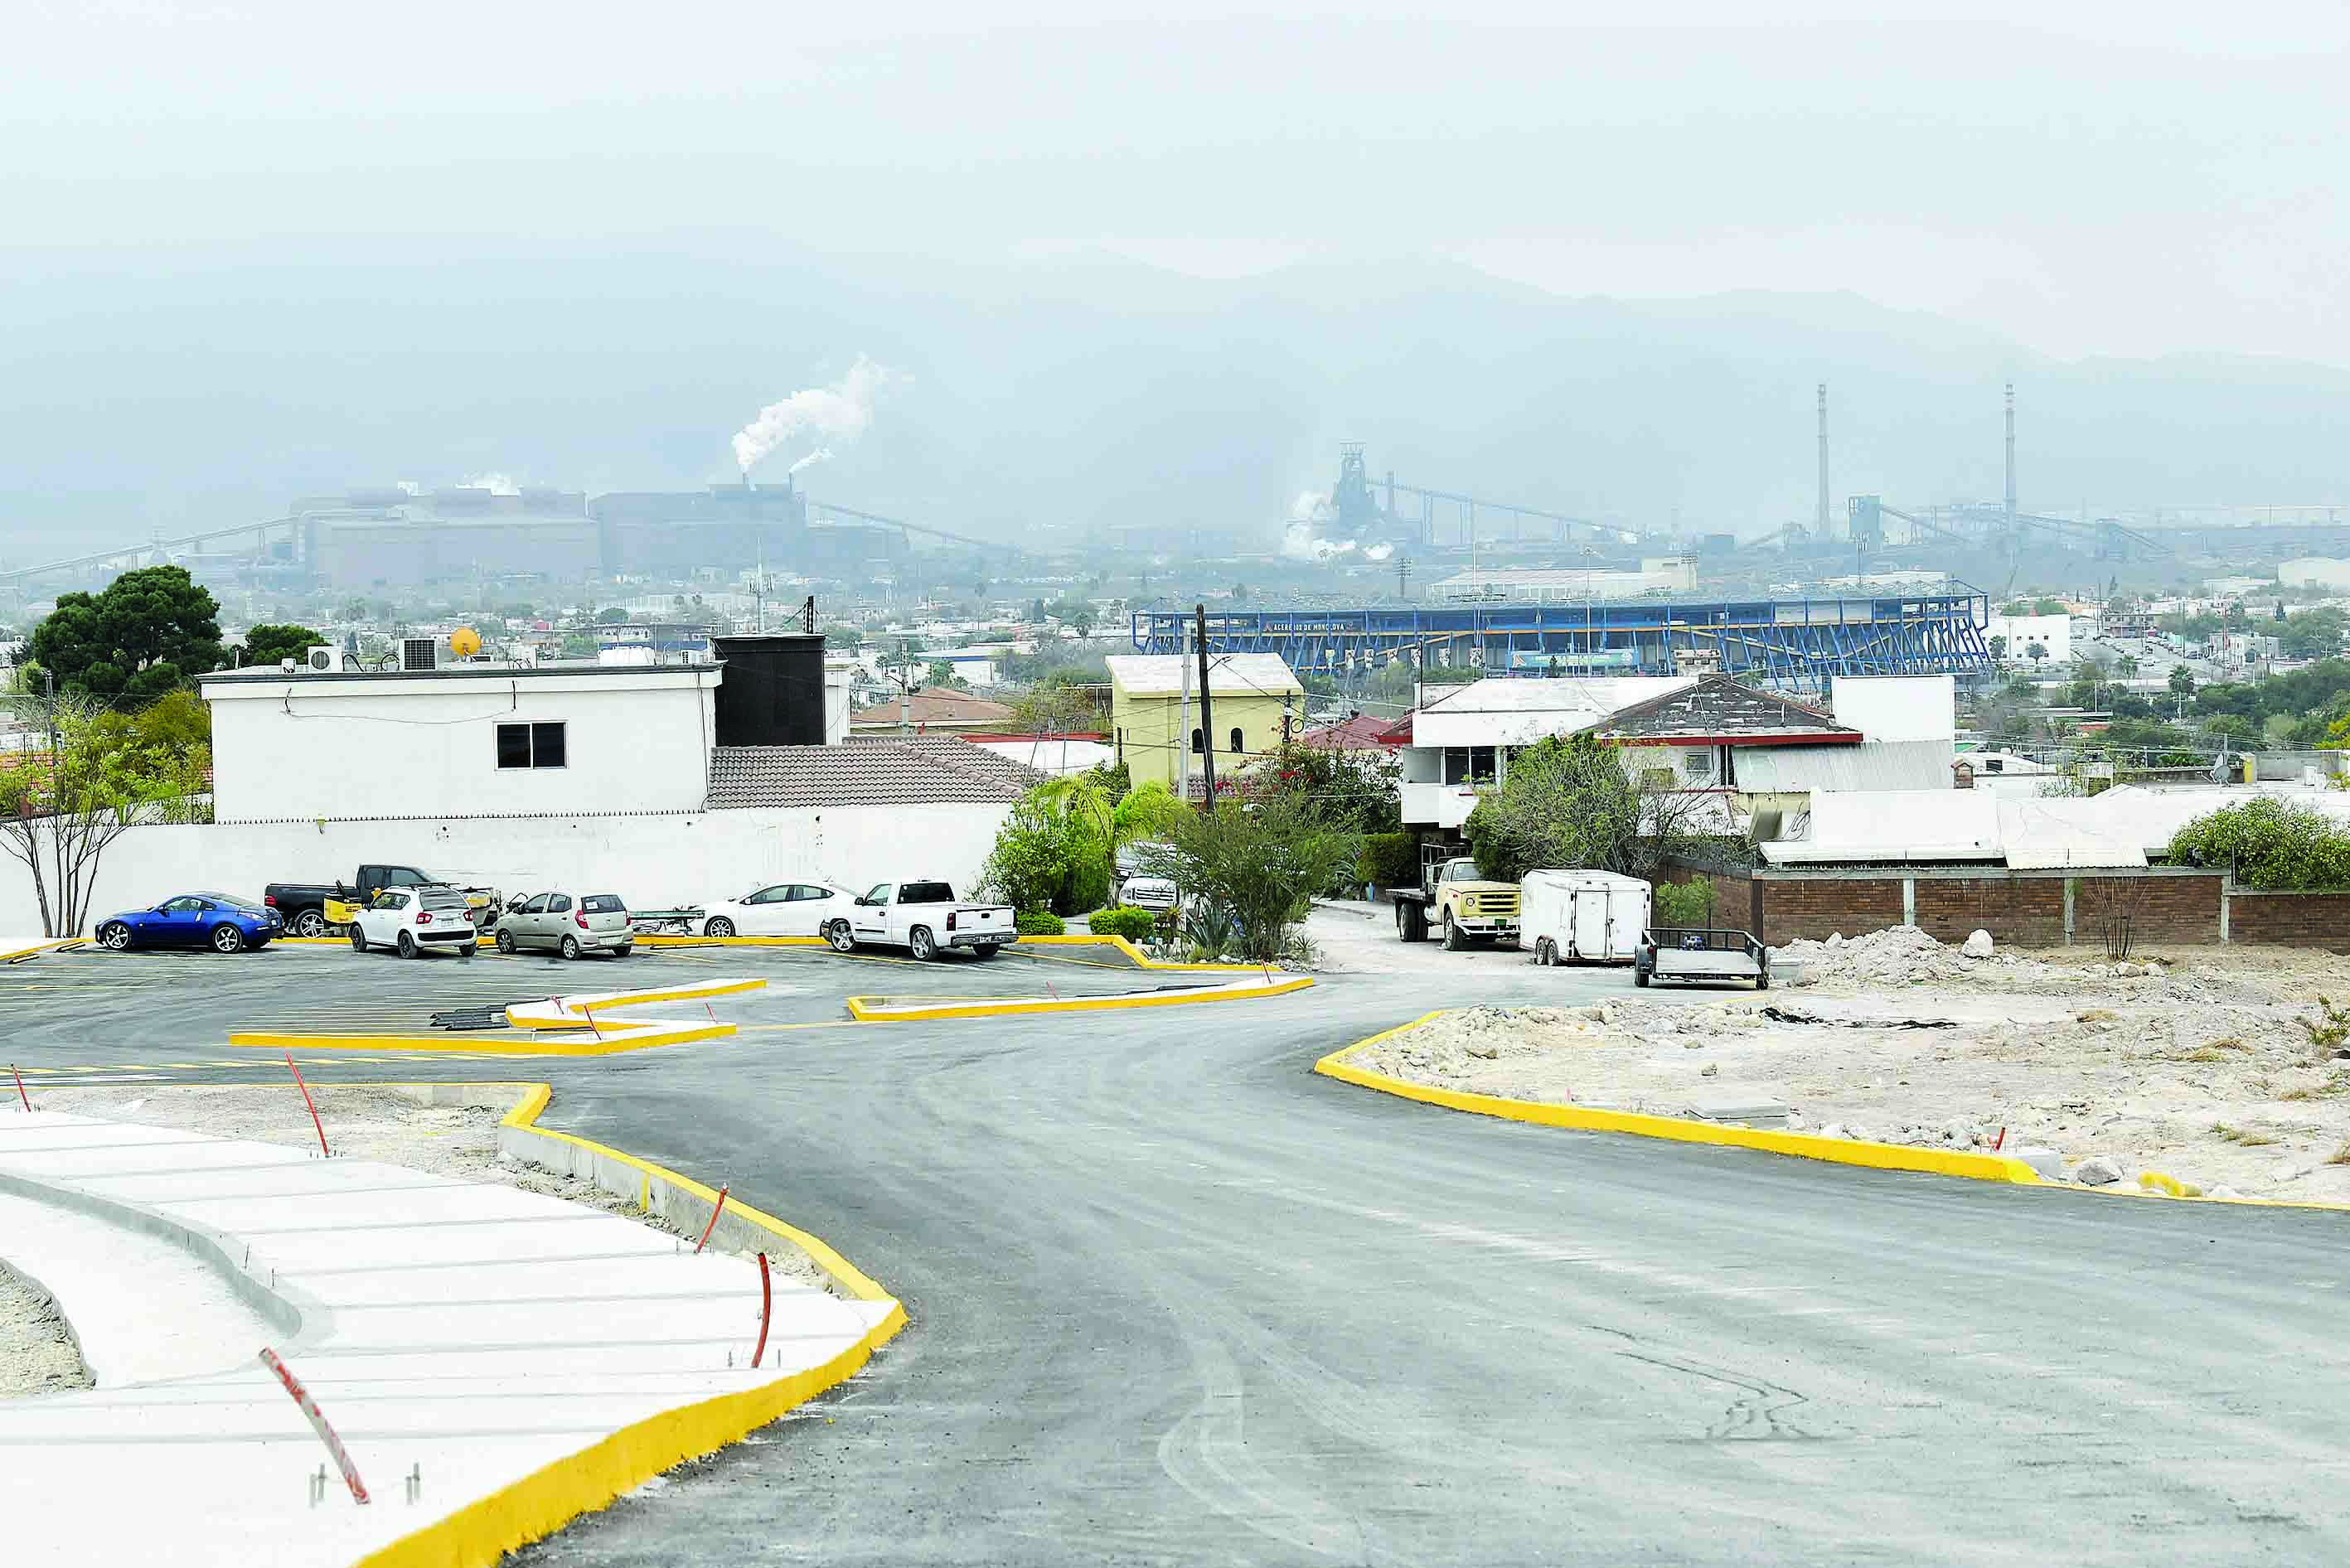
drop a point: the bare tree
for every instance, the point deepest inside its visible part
(60, 811)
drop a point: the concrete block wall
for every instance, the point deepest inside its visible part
(2024, 911)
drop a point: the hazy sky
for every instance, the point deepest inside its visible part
(2119, 178)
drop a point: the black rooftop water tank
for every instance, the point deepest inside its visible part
(773, 694)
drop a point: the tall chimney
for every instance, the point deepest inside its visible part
(2011, 454)
(1821, 527)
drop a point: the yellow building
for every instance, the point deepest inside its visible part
(1255, 700)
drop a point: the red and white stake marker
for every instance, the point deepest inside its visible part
(20, 1087)
(309, 1407)
(766, 1310)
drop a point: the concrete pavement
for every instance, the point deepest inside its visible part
(1177, 1300)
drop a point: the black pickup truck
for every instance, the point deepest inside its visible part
(302, 906)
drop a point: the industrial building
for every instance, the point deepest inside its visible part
(1796, 644)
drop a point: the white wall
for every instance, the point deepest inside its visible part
(2052, 632)
(653, 861)
(355, 746)
(1896, 707)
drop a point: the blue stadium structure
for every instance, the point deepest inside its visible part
(1786, 642)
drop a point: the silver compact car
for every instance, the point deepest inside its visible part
(571, 924)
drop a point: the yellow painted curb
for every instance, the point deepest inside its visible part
(551, 1496)
(47, 944)
(530, 1019)
(1804, 1145)
(1135, 955)
(617, 1038)
(872, 1010)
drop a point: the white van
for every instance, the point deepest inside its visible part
(1582, 916)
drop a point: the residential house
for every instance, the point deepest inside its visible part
(934, 709)
(1256, 703)
(1761, 753)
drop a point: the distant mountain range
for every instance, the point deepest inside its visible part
(1084, 393)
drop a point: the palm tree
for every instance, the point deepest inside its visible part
(2125, 666)
(1109, 826)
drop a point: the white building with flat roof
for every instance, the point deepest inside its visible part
(486, 740)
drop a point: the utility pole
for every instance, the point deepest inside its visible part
(1183, 713)
(1207, 716)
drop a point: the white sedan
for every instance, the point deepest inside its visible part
(784, 909)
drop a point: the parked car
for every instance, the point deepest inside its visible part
(1583, 917)
(220, 922)
(415, 920)
(567, 923)
(781, 909)
(924, 918)
(302, 906)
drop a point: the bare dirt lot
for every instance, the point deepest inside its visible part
(2215, 1065)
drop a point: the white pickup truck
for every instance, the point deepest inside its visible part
(924, 918)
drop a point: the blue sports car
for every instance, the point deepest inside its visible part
(216, 920)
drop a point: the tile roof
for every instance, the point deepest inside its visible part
(1718, 707)
(927, 771)
(1361, 732)
(933, 706)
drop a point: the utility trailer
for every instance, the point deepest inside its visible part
(1701, 954)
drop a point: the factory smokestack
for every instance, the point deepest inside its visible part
(2011, 454)
(1822, 525)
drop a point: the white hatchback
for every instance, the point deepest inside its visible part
(781, 909)
(414, 922)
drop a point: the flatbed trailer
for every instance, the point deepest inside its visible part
(1701, 954)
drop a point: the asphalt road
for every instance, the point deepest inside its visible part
(1176, 1300)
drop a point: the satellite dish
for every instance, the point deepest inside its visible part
(464, 642)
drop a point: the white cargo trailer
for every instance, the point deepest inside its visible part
(1582, 916)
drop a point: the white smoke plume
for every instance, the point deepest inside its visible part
(1302, 539)
(818, 455)
(495, 484)
(839, 413)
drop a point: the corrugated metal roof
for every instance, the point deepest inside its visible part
(923, 772)
(1241, 674)
(1870, 766)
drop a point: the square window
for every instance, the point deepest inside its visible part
(547, 747)
(531, 746)
(513, 745)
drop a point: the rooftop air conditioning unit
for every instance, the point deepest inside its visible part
(322, 658)
(420, 653)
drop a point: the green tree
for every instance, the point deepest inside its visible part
(149, 631)
(1571, 803)
(942, 673)
(108, 773)
(611, 615)
(2036, 652)
(2127, 665)
(2313, 634)
(1999, 647)
(1056, 710)
(1356, 791)
(1254, 867)
(274, 644)
(2182, 681)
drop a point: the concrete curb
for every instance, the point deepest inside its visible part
(876, 1009)
(531, 1018)
(551, 1497)
(1802, 1146)
(1676, 1129)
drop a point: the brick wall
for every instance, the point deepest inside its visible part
(1816, 907)
(1733, 895)
(2291, 919)
(2173, 908)
(2024, 911)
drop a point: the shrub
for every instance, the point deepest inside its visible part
(1390, 860)
(1135, 925)
(1038, 923)
(1683, 903)
(2268, 845)
(1258, 867)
